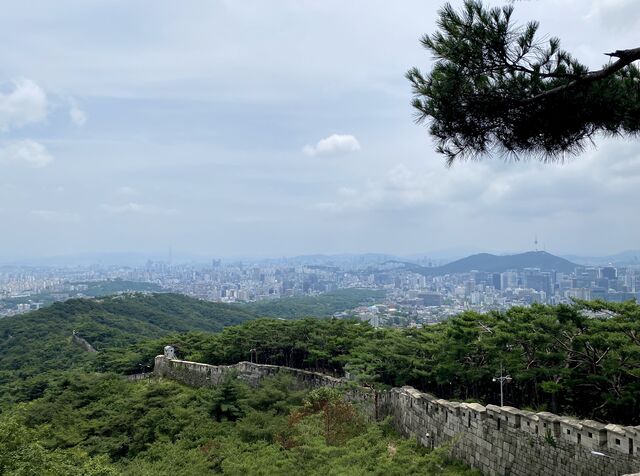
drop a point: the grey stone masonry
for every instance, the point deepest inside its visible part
(197, 374)
(508, 441)
(496, 440)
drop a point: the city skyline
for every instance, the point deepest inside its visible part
(411, 293)
(181, 257)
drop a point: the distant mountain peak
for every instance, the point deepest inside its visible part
(487, 262)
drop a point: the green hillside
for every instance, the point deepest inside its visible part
(324, 305)
(36, 343)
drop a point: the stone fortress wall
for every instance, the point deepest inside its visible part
(496, 440)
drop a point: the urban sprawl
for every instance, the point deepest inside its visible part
(409, 298)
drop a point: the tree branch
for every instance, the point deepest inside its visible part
(625, 58)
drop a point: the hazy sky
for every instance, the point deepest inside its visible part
(281, 127)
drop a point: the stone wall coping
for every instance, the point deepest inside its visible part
(244, 363)
(476, 407)
(529, 415)
(572, 422)
(547, 416)
(413, 392)
(428, 398)
(630, 431)
(298, 371)
(452, 405)
(511, 410)
(593, 425)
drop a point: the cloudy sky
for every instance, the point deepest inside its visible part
(281, 127)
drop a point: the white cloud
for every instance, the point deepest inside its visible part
(25, 152)
(76, 114)
(619, 15)
(53, 216)
(332, 145)
(24, 103)
(404, 188)
(133, 208)
(126, 190)
(583, 188)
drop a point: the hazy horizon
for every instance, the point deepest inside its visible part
(180, 257)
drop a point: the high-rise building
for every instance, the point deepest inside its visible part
(496, 281)
(609, 272)
(508, 280)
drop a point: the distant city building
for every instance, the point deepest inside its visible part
(609, 272)
(431, 299)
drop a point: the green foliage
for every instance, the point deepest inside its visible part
(115, 286)
(21, 454)
(341, 421)
(36, 347)
(550, 440)
(103, 425)
(225, 401)
(324, 305)
(497, 87)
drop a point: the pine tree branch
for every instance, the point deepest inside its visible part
(625, 58)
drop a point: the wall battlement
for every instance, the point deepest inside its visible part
(496, 440)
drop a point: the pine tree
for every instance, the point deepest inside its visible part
(498, 89)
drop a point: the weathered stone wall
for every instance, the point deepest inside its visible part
(496, 440)
(508, 441)
(197, 374)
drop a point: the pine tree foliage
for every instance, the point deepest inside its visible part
(498, 89)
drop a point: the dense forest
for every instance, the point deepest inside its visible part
(102, 425)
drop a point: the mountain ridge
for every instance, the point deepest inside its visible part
(490, 263)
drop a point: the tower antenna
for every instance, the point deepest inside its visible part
(535, 241)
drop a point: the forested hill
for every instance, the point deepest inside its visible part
(33, 344)
(496, 264)
(118, 320)
(324, 305)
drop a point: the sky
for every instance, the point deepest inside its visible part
(224, 128)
